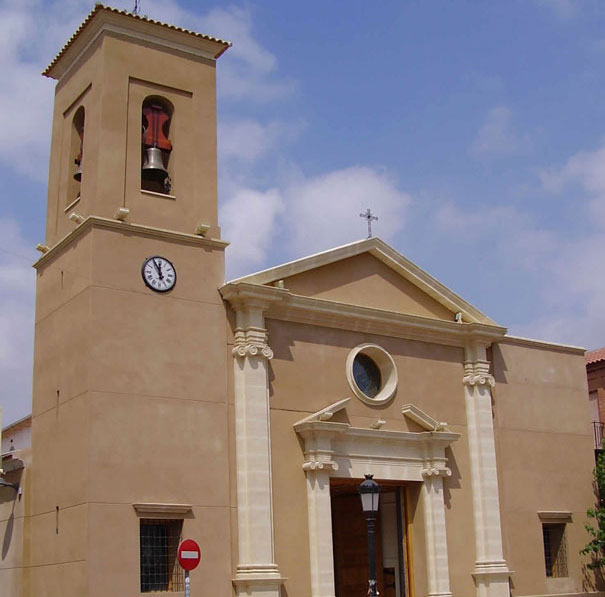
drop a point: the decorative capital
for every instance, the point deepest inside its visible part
(479, 380)
(314, 465)
(477, 374)
(251, 342)
(433, 471)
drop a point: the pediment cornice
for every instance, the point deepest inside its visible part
(281, 304)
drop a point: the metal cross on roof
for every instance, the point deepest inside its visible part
(368, 217)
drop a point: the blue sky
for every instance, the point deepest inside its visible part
(473, 130)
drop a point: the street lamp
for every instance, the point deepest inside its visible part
(369, 491)
(4, 483)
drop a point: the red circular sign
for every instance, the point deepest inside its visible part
(189, 554)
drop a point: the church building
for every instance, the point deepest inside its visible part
(169, 404)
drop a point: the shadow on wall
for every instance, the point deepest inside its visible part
(592, 580)
(8, 534)
(453, 481)
(8, 494)
(499, 368)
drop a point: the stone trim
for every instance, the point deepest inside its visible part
(280, 303)
(87, 33)
(562, 517)
(161, 510)
(99, 222)
(339, 450)
(491, 573)
(387, 255)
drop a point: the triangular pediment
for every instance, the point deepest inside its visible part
(370, 273)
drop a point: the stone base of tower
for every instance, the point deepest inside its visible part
(258, 581)
(492, 579)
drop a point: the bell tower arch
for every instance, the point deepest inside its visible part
(130, 410)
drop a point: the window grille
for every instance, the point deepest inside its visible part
(555, 550)
(160, 570)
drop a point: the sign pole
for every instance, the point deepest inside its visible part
(189, 555)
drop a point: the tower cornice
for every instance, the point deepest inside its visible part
(149, 231)
(105, 19)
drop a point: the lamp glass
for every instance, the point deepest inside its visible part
(369, 502)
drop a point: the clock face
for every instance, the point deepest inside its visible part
(158, 273)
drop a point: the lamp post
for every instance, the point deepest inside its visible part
(369, 491)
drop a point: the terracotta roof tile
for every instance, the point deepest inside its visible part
(100, 7)
(593, 356)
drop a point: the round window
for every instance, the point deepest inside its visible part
(366, 375)
(371, 374)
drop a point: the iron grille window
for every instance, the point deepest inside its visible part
(555, 550)
(160, 570)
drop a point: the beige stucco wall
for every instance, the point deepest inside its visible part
(364, 280)
(130, 406)
(545, 459)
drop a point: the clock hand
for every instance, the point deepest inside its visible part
(158, 267)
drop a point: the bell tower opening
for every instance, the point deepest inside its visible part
(76, 153)
(156, 147)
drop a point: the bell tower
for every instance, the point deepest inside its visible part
(134, 125)
(130, 416)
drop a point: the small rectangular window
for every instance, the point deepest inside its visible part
(160, 570)
(555, 550)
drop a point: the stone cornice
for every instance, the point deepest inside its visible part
(245, 296)
(540, 344)
(160, 510)
(104, 19)
(150, 231)
(387, 255)
(443, 438)
(279, 303)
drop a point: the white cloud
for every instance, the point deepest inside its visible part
(17, 279)
(497, 137)
(575, 286)
(310, 215)
(30, 35)
(248, 221)
(248, 70)
(585, 169)
(247, 140)
(323, 212)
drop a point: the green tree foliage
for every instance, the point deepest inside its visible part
(596, 527)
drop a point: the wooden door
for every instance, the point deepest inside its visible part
(350, 540)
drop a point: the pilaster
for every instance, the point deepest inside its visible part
(438, 575)
(491, 571)
(257, 573)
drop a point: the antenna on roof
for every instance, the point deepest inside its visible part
(137, 7)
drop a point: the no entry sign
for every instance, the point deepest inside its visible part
(189, 554)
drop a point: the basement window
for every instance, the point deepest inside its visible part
(160, 570)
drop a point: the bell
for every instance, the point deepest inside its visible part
(153, 168)
(78, 172)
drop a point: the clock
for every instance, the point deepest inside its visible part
(158, 273)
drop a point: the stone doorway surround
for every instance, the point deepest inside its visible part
(334, 449)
